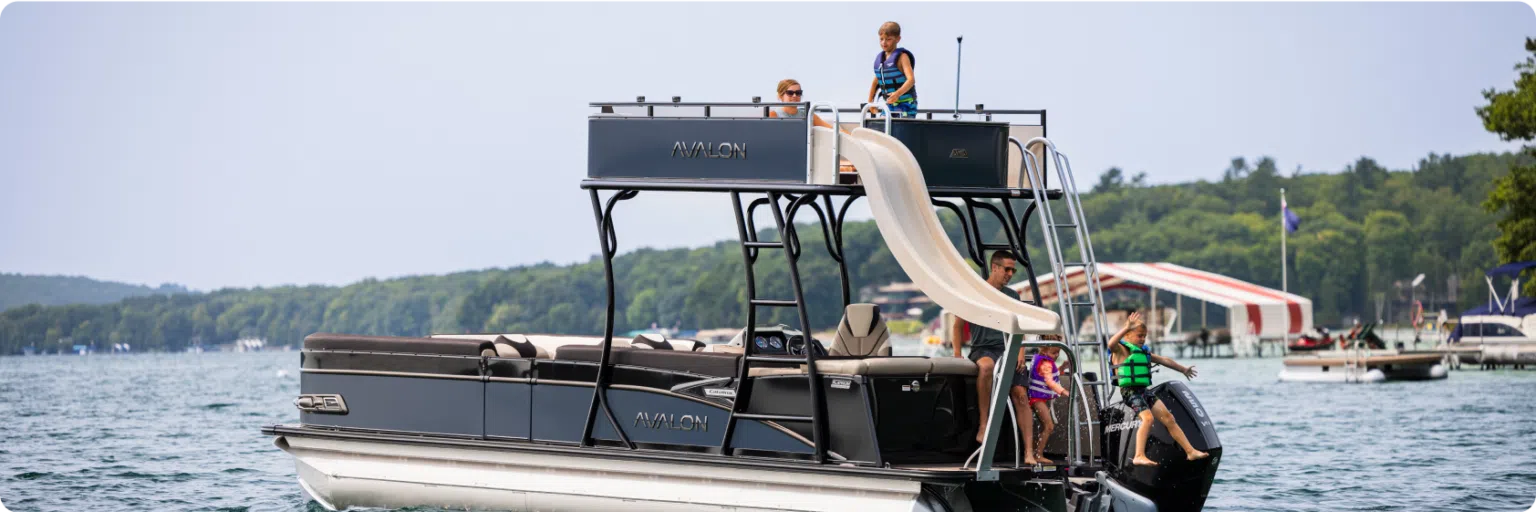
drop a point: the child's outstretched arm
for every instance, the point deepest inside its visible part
(1188, 371)
(905, 63)
(874, 86)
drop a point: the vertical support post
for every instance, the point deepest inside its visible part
(748, 256)
(818, 413)
(959, 41)
(1179, 312)
(1153, 320)
(608, 242)
(1284, 286)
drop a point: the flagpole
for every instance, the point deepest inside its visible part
(1284, 288)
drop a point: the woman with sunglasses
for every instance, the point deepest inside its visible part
(790, 91)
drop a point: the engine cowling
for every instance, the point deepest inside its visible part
(1175, 483)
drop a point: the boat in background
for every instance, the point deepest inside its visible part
(1362, 364)
(1502, 332)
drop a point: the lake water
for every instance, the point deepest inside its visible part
(180, 432)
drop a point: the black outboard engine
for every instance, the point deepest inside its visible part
(1175, 483)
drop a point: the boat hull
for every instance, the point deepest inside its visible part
(339, 473)
(350, 473)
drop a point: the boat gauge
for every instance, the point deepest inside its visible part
(776, 342)
(761, 342)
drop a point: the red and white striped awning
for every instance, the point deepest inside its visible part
(1251, 309)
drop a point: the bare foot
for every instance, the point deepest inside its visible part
(979, 436)
(1044, 460)
(1143, 461)
(1030, 461)
(1196, 456)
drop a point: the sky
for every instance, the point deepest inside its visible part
(261, 144)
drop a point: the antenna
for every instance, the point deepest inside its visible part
(959, 42)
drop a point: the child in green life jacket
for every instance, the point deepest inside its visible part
(1133, 373)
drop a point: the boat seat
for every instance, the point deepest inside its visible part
(701, 363)
(517, 345)
(398, 344)
(657, 341)
(862, 333)
(954, 366)
(862, 346)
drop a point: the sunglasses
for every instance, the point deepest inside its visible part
(793, 93)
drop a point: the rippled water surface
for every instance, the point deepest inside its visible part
(180, 432)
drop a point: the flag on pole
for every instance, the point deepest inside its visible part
(1291, 220)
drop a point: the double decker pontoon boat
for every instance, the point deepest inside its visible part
(774, 420)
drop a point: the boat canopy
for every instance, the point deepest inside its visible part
(1267, 312)
(1511, 270)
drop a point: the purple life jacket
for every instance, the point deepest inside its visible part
(1037, 385)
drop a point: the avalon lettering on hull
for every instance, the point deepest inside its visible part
(664, 421)
(729, 150)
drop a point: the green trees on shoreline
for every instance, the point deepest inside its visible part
(1364, 231)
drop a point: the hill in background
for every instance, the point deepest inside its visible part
(20, 290)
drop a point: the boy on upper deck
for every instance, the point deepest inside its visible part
(1133, 373)
(894, 78)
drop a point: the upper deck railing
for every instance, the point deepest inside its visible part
(727, 145)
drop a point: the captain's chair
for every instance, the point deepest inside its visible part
(862, 333)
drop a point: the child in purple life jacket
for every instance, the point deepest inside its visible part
(1038, 386)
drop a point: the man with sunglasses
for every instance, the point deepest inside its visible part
(987, 344)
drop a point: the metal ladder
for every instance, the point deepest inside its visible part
(1079, 226)
(789, 242)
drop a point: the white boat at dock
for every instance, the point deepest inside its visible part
(1360, 365)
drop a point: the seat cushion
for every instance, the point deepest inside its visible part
(953, 366)
(589, 353)
(861, 333)
(397, 344)
(519, 346)
(701, 363)
(876, 366)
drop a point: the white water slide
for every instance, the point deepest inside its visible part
(903, 210)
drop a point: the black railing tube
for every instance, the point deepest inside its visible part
(608, 239)
(836, 238)
(818, 412)
(748, 255)
(1029, 267)
(970, 246)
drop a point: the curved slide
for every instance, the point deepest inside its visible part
(903, 210)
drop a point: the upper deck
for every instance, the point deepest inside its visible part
(720, 146)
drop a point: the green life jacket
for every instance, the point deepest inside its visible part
(1136, 370)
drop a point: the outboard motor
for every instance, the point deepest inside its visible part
(1175, 483)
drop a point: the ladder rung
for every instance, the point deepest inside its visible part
(777, 359)
(772, 417)
(1089, 303)
(1085, 343)
(765, 245)
(993, 247)
(1068, 225)
(775, 302)
(1096, 383)
(1074, 264)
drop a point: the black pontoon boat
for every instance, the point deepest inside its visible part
(774, 420)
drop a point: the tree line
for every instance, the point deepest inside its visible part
(1364, 231)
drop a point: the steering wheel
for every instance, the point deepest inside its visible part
(795, 345)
